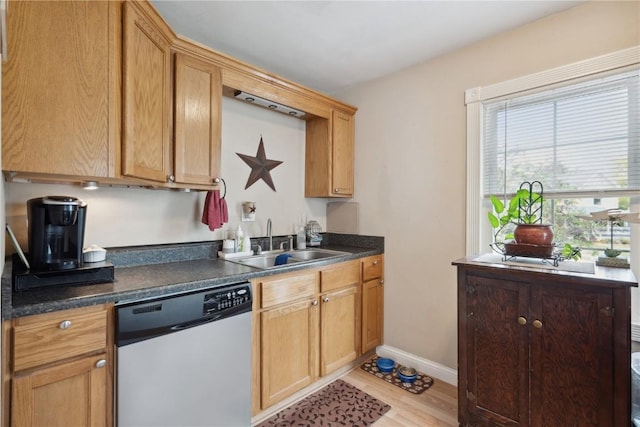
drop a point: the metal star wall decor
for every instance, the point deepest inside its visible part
(260, 167)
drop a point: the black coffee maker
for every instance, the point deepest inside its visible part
(56, 232)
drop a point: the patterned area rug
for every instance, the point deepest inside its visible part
(422, 383)
(338, 404)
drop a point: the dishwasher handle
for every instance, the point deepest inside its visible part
(193, 323)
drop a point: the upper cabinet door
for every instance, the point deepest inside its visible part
(146, 104)
(329, 156)
(198, 104)
(342, 152)
(59, 112)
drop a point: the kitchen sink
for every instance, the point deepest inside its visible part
(266, 261)
(313, 254)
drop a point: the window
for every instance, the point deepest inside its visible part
(576, 128)
(582, 141)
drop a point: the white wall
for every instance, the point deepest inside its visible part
(134, 216)
(410, 160)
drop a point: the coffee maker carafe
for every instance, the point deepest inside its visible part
(56, 232)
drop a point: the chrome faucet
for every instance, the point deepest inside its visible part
(269, 235)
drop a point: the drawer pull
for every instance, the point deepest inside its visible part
(101, 363)
(65, 324)
(537, 324)
(522, 320)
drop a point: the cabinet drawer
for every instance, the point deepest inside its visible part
(372, 267)
(288, 288)
(50, 337)
(338, 277)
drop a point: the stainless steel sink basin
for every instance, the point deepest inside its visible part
(266, 261)
(313, 254)
(261, 261)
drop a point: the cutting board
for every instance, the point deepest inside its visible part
(342, 217)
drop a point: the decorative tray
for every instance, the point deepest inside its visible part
(528, 250)
(512, 250)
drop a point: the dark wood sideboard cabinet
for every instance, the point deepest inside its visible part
(540, 347)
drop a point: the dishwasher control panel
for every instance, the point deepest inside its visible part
(223, 299)
(142, 320)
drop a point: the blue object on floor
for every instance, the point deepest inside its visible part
(282, 259)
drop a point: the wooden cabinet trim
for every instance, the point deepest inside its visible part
(242, 76)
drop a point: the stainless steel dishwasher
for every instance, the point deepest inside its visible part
(185, 360)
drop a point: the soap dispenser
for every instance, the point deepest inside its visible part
(239, 239)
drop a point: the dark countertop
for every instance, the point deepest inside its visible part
(153, 271)
(601, 276)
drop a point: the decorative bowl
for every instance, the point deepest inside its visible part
(385, 365)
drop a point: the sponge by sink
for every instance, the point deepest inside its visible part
(282, 259)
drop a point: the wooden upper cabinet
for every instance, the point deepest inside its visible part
(59, 96)
(329, 156)
(198, 106)
(146, 144)
(342, 150)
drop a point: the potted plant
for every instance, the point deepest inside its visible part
(530, 237)
(525, 211)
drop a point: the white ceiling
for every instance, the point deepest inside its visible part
(331, 45)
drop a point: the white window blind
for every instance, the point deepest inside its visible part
(582, 138)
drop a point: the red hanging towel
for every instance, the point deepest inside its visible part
(211, 214)
(224, 211)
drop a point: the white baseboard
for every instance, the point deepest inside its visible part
(428, 367)
(635, 332)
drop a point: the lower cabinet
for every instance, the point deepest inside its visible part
(542, 349)
(372, 302)
(339, 316)
(306, 325)
(289, 349)
(69, 394)
(60, 368)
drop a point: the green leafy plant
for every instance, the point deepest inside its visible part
(523, 208)
(571, 252)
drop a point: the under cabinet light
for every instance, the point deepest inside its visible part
(90, 185)
(253, 99)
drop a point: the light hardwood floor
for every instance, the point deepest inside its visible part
(437, 406)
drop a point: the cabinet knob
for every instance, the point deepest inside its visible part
(537, 324)
(522, 320)
(325, 299)
(171, 178)
(216, 180)
(65, 324)
(382, 281)
(314, 302)
(375, 262)
(336, 190)
(101, 363)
